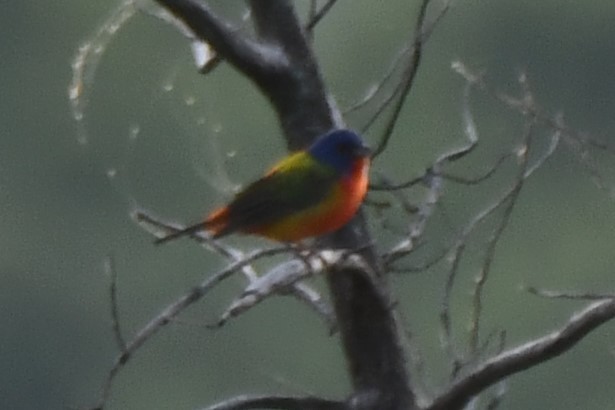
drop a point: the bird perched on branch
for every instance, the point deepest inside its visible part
(307, 194)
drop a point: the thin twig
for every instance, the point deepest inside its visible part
(278, 402)
(280, 280)
(389, 186)
(420, 36)
(576, 141)
(166, 315)
(498, 397)
(459, 246)
(318, 15)
(432, 178)
(406, 53)
(456, 154)
(530, 354)
(424, 266)
(408, 79)
(115, 316)
(418, 226)
(485, 270)
(301, 291)
(471, 133)
(446, 338)
(314, 300)
(375, 90)
(481, 178)
(553, 294)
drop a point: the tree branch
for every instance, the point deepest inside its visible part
(525, 356)
(421, 33)
(298, 93)
(115, 316)
(319, 15)
(296, 90)
(259, 287)
(284, 279)
(371, 340)
(280, 62)
(278, 402)
(252, 58)
(167, 314)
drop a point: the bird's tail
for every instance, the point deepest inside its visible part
(216, 224)
(178, 234)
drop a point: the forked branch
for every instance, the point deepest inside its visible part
(530, 354)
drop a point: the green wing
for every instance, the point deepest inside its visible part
(297, 183)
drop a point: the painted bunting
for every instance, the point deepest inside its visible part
(307, 194)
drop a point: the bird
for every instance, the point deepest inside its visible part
(309, 193)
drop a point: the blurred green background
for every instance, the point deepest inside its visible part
(160, 136)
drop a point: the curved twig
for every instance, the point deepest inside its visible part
(278, 402)
(319, 15)
(530, 354)
(421, 33)
(115, 315)
(167, 314)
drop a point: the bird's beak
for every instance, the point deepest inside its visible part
(364, 151)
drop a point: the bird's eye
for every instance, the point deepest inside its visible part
(345, 148)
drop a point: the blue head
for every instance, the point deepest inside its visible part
(339, 149)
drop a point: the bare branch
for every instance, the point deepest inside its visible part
(408, 79)
(436, 169)
(278, 402)
(387, 185)
(417, 227)
(406, 53)
(375, 89)
(526, 170)
(530, 354)
(302, 291)
(577, 141)
(421, 34)
(481, 178)
(552, 294)
(115, 317)
(167, 314)
(297, 92)
(390, 186)
(295, 88)
(483, 275)
(433, 179)
(315, 301)
(254, 59)
(446, 338)
(469, 130)
(319, 15)
(280, 280)
(375, 339)
(495, 401)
